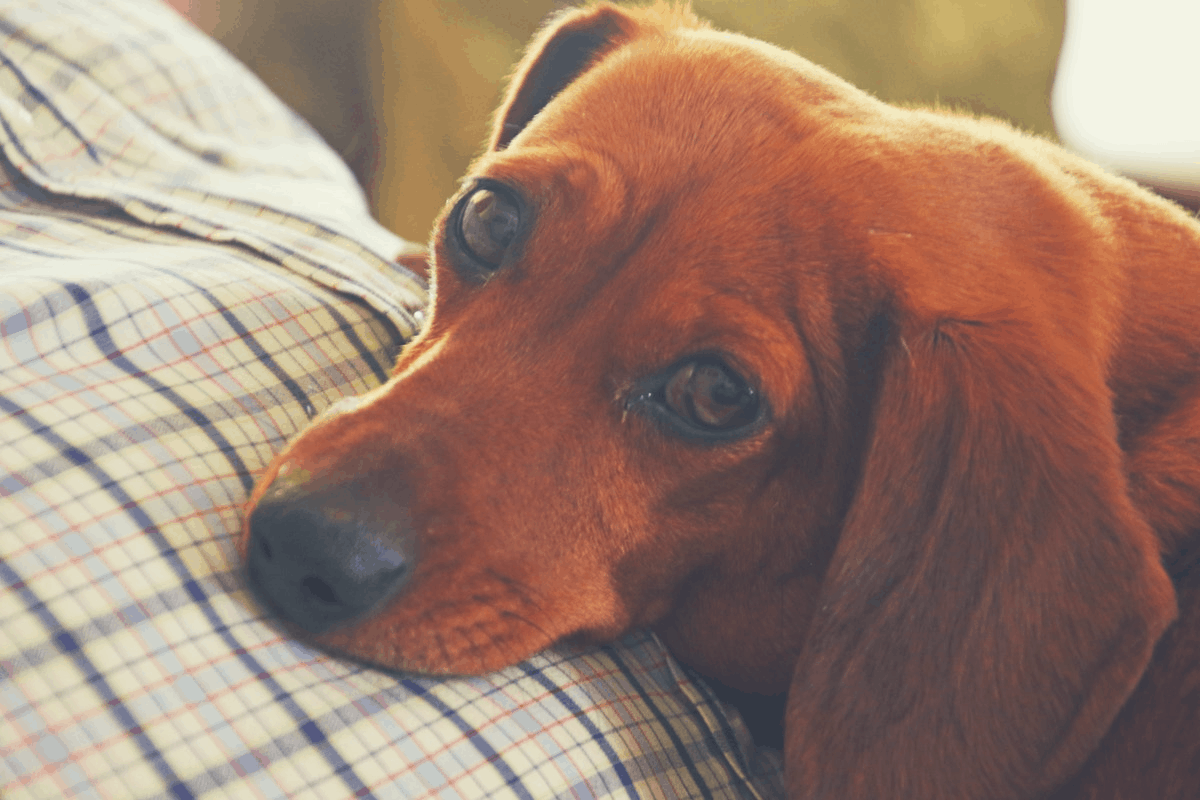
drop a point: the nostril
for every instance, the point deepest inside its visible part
(319, 590)
(323, 559)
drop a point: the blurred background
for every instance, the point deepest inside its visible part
(405, 89)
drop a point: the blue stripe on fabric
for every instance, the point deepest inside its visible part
(726, 728)
(562, 696)
(264, 358)
(380, 371)
(333, 758)
(39, 97)
(104, 342)
(69, 646)
(481, 744)
(676, 743)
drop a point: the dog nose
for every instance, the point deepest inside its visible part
(319, 559)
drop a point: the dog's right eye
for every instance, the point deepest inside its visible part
(486, 223)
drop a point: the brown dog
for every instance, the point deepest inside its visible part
(893, 410)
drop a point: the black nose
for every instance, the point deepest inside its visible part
(325, 557)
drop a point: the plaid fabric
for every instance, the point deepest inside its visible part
(187, 276)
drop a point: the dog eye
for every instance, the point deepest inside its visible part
(700, 398)
(488, 222)
(710, 396)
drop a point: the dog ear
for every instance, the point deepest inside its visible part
(994, 596)
(569, 44)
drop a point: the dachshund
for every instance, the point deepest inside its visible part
(894, 412)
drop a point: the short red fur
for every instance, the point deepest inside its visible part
(963, 539)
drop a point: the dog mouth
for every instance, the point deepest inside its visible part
(341, 566)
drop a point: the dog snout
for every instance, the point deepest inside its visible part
(322, 558)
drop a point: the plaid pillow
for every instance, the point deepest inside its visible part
(187, 275)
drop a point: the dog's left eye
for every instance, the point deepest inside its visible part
(710, 396)
(488, 220)
(702, 398)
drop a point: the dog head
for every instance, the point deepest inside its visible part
(706, 354)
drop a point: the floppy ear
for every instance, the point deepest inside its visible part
(570, 43)
(994, 596)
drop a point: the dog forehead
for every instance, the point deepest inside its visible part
(703, 93)
(675, 129)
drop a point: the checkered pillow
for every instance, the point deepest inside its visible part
(187, 276)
